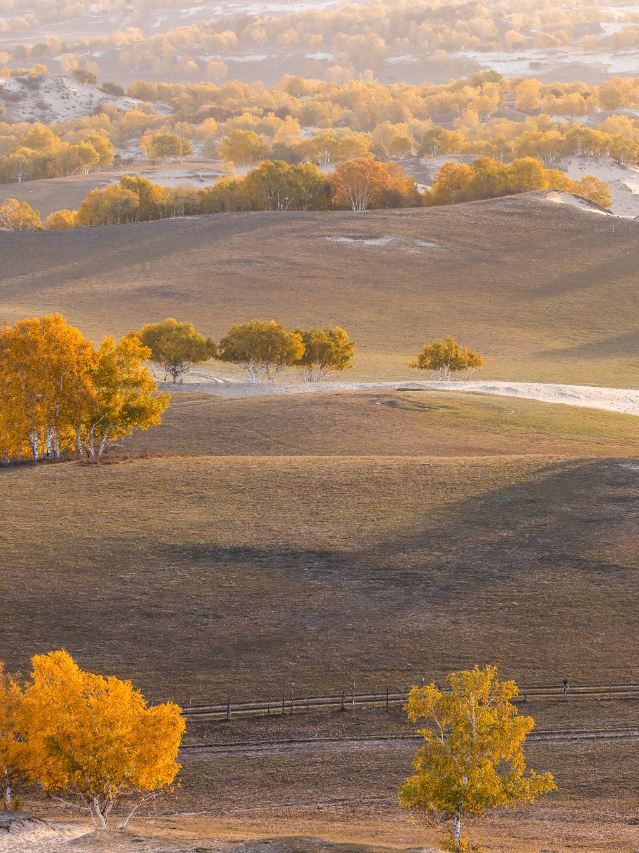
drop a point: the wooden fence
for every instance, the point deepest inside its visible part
(290, 704)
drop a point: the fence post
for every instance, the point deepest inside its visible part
(387, 697)
(228, 707)
(343, 708)
(283, 705)
(268, 707)
(353, 697)
(610, 692)
(292, 704)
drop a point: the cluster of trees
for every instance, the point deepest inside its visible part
(487, 178)
(36, 151)
(85, 739)
(263, 348)
(308, 121)
(61, 395)
(361, 184)
(473, 758)
(336, 42)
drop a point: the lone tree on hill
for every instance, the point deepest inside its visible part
(93, 740)
(446, 358)
(262, 348)
(473, 758)
(175, 345)
(325, 351)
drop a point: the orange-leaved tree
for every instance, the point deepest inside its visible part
(93, 740)
(473, 756)
(19, 216)
(124, 397)
(11, 749)
(365, 183)
(57, 393)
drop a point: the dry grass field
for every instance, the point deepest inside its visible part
(546, 292)
(284, 543)
(261, 545)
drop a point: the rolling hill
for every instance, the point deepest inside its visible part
(289, 543)
(546, 292)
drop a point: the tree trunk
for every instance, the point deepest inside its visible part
(8, 800)
(34, 441)
(457, 828)
(103, 443)
(98, 815)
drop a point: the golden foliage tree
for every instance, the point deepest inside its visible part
(243, 147)
(325, 351)
(62, 220)
(45, 365)
(10, 746)
(110, 205)
(175, 345)
(93, 739)
(262, 348)
(473, 756)
(165, 146)
(446, 358)
(58, 393)
(19, 216)
(365, 183)
(124, 397)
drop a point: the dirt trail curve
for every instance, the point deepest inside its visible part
(625, 400)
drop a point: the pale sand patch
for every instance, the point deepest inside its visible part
(624, 400)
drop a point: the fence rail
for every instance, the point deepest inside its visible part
(289, 704)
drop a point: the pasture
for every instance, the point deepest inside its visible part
(546, 292)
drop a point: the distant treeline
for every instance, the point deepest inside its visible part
(360, 184)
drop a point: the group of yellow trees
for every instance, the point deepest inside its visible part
(59, 393)
(38, 152)
(261, 347)
(360, 184)
(487, 178)
(92, 741)
(85, 739)
(351, 37)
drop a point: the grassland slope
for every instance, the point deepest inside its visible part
(281, 559)
(546, 292)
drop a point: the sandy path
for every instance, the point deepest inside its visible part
(625, 400)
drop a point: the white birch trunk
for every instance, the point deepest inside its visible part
(457, 828)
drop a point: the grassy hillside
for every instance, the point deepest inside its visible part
(546, 292)
(200, 574)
